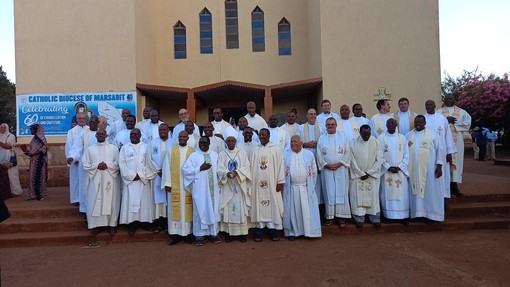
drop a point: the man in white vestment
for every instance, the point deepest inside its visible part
(180, 205)
(426, 158)
(137, 170)
(248, 145)
(200, 178)
(103, 190)
(347, 125)
(404, 117)
(459, 122)
(357, 115)
(334, 157)
(242, 124)
(268, 177)
(378, 121)
(438, 123)
(235, 198)
(103, 123)
(120, 124)
(326, 114)
(75, 186)
(184, 117)
(189, 127)
(291, 126)
(146, 118)
(301, 209)
(124, 136)
(219, 124)
(217, 143)
(82, 142)
(158, 148)
(254, 120)
(279, 136)
(394, 191)
(309, 133)
(366, 161)
(151, 128)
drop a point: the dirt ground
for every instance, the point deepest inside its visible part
(472, 258)
(467, 258)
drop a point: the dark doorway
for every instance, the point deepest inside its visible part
(236, 113)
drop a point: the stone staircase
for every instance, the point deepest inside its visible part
(55, 222)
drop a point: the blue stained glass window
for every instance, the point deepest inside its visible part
(284, 39)
(258, 40)
(179, 40)
(206, 32)
(231, 24)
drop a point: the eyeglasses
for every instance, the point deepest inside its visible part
(182, 114)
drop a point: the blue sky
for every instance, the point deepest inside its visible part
(473, 34)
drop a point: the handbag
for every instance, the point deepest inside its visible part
(13, 159)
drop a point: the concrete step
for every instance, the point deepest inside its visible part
(474, 209)
(47, 224)
(480, 198)
(81, 237)
(46, 212)
(457, 224)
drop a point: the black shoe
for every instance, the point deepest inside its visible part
(132, 227)
(175, 239)
(147, 226)
(376, 224)
(291, 238)
(228, 238)
(95, 231)
(112, 230)
(328, 222)
(189, 239)
(274, 235)
(215, 239)
(243, 238)
(359, 224)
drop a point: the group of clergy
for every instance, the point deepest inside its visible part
(259, 175)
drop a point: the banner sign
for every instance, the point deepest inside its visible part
(57, 111)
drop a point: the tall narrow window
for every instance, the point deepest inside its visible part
(231, 24)
(206, 32)
(179, 41)
(284, 48)
(258, 41)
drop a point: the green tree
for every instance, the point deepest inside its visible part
(7, 100)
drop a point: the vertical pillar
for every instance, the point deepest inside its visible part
(268, 103)
(191, 105)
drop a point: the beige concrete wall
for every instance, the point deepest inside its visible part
(356, 46)
(314, 39)
(155, 54)
(74, 46)
(372, 43)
